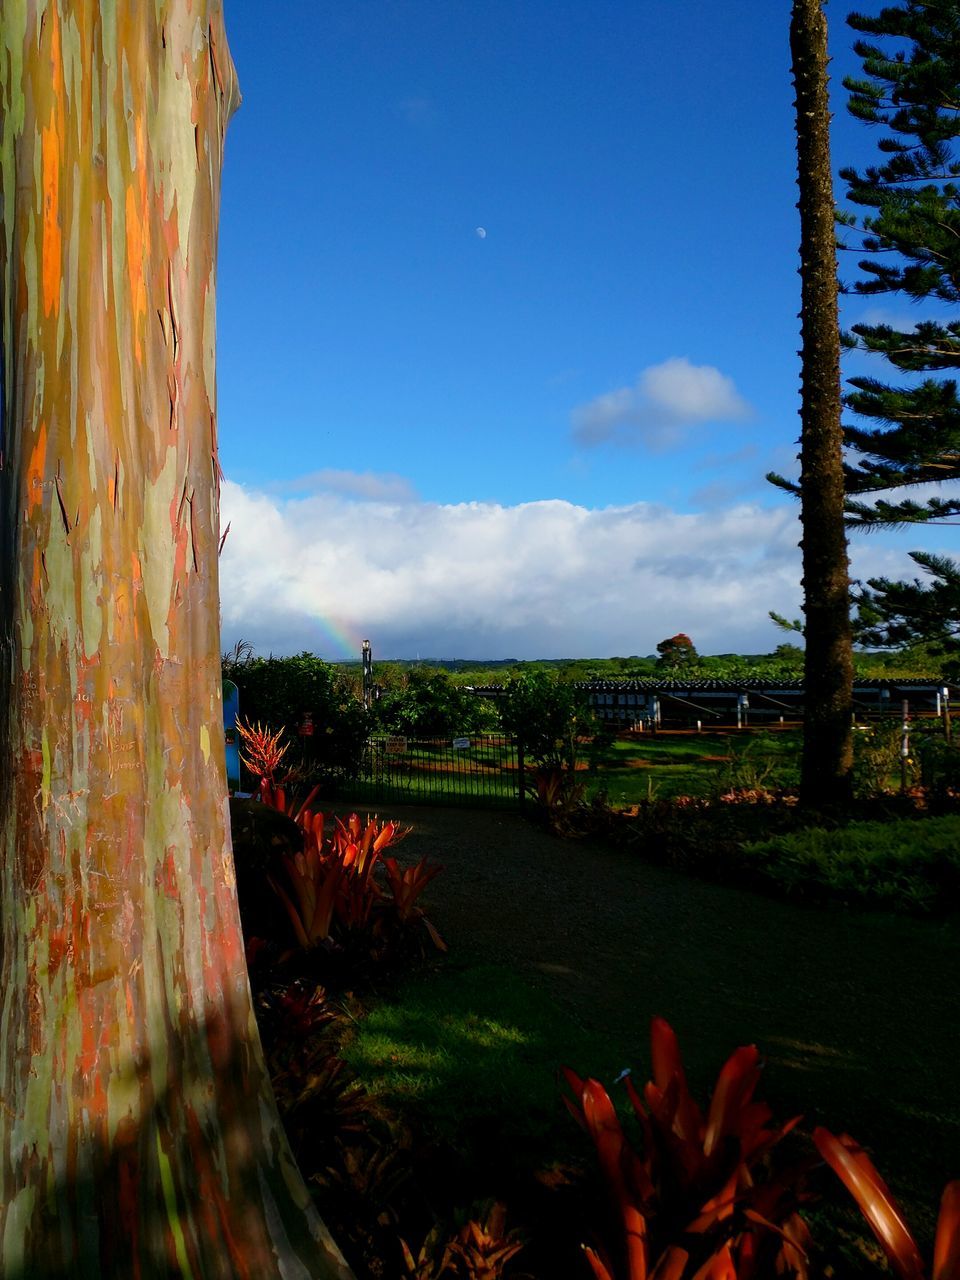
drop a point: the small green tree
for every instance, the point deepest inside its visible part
(429, 704)
(548, 716)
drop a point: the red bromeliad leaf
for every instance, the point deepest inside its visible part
(600, 1269)
(720, 1267)
(391, 833)
(408, 884)
(575, 1107)
(435, 937)
(302, 808)
(292, 912)
(717, 1208)
(604, 1127)
(614, 1154)
(311, 824)
(731, 1096)
(685, 1154)
(671, 1264)
(668, 1065)
(946, 1249)
(854, 1168)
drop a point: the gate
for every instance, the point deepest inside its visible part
(477, 770)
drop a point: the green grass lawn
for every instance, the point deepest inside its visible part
(662, 765)
(451, 1049)
(640, 767)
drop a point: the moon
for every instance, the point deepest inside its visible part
(482, 233)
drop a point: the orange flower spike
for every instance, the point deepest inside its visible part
(855, 1170)
(264, 752)
(946, 1249)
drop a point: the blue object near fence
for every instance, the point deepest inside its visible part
(231, 709)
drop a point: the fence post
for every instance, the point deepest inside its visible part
(945, 712)
(521, 779)
(904, 746)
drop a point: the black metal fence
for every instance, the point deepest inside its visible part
(477, 770)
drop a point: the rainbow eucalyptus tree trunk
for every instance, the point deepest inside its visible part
(138, 1135)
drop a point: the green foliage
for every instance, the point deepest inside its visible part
(876, 757)
(428, 704)
(910, 234)
(911, 864)
(548, 716)
(281, 692)
(916, 613)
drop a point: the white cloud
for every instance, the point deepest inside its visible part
(541, 579)
(668, 399)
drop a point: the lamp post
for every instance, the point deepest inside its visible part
(366, 655)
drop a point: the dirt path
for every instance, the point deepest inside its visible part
(858, 1014)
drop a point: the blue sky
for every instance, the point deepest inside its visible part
(507, 326)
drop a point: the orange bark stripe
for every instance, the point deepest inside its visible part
(52, 240)
(35, 467)
(138, 234)
(210, 1191)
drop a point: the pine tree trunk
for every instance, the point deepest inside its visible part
(826, 776)
(138, 1134)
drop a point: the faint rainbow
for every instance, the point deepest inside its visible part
(346, 640)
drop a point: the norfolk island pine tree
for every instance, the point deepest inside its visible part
(911, 232)
(827, 762)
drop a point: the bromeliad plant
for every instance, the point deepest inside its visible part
(700, 1198)
(331, 890)
(480, 1250)
(338, 887)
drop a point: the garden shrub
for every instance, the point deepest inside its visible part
(427, 704)
(284, 691)
(547, 716)
(910, 864)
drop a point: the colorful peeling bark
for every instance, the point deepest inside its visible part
(138, 1136)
